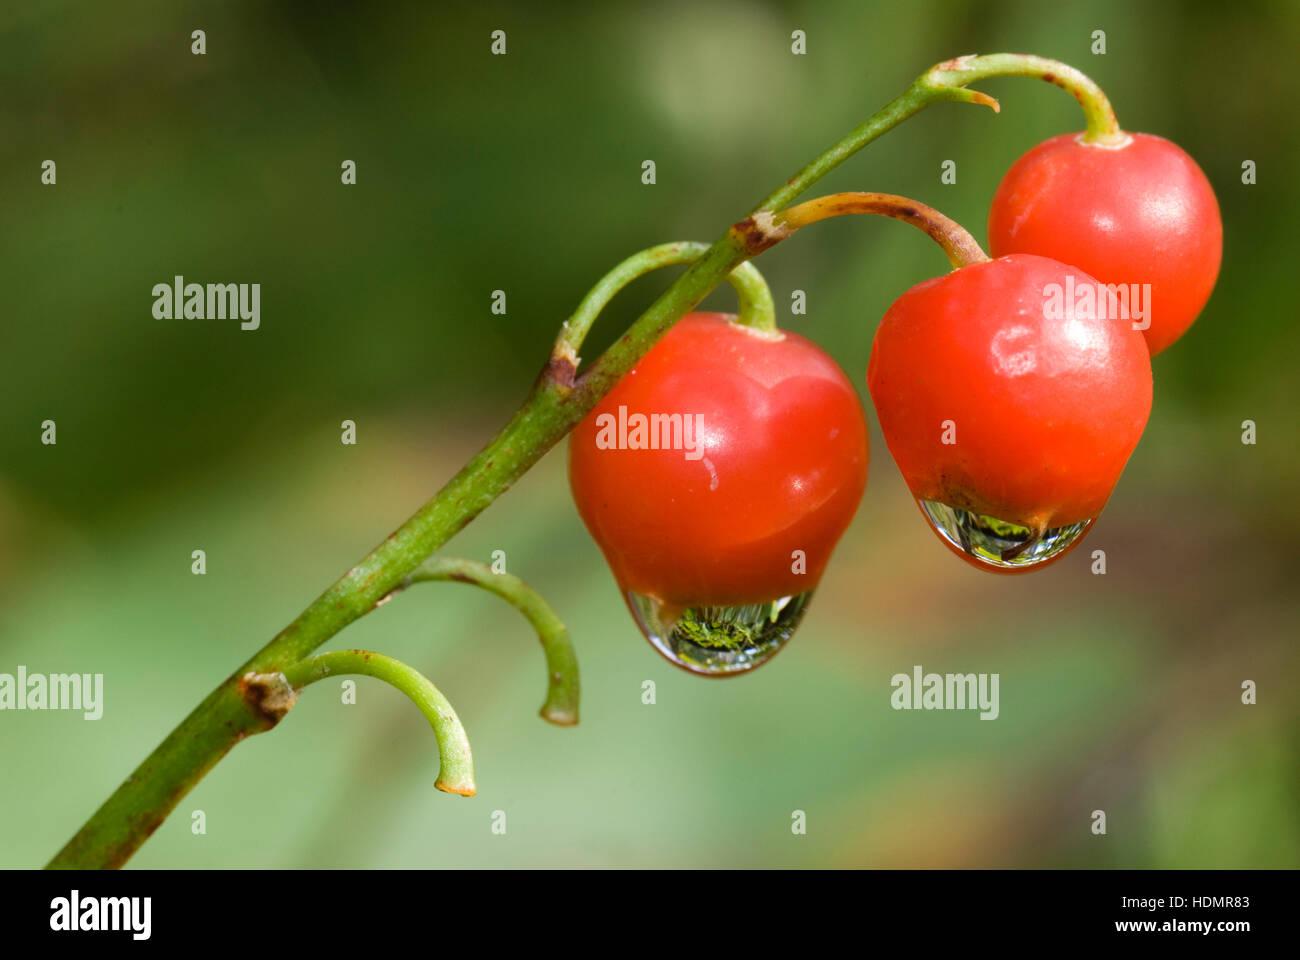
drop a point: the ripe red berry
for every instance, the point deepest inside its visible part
(1141, 212)
(1010, 422)
(718, 524)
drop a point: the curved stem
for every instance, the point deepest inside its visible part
(923, 92)
(557, 402)
(561, 706)
(1102, 125)
(960, 246)
(456, 766)
(948, 81)
(756, 307)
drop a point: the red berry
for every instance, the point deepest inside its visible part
(716, 549)
(1138, 213)
(1010, 424)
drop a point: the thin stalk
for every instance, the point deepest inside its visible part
(456, 766)
(756, 307)
(561, 705)
(1102, 127)
(960, 246)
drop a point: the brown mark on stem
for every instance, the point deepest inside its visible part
(561, 369)
(269, 695)
(957, 63)
(759, 231)
(960, 246)
(1056, 81)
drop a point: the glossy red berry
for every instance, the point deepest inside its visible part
(1010, 422)
(1138, 213)
(717, 477)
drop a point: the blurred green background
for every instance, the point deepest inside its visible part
(522, 173)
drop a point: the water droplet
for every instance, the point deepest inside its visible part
(719, 641)
(997, 543)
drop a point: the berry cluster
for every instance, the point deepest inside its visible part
(1010, 391)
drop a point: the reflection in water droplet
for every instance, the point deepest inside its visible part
(719, 641)
(997, 543)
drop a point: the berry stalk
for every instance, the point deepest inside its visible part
(756, 308)
(1102, 127)
(561, 705)
(456, 767)
(957, 243)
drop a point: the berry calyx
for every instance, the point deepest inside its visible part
(717, 477)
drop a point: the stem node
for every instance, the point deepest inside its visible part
(758, 232)
(270, 696)
(561, 370)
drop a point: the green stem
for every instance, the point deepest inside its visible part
(561, 706)
(948, 81)
(961, 248)
(1102, 126)
(456, 766)
(927, 89)
(558, 401)
(756, 307)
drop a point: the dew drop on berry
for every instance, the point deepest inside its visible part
(998, 544)
(719, 641)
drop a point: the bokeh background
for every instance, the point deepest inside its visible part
(1118, 692)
